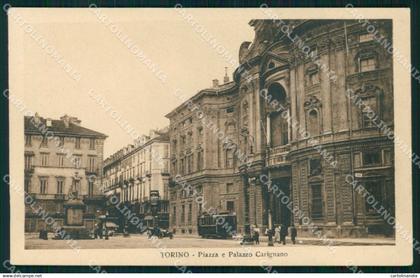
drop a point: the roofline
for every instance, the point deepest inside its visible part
(103, 136)
(201, 94)
(153, 140)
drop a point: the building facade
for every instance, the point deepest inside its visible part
(305, 113)
(209, 181)
(136, 176)
(61, 157)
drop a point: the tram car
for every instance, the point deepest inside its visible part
(221, 225)
(154, 212)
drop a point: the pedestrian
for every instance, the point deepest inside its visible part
(100, 231)
(256, 236)
(283, 234)
(277, 234)
(95, 231)
(293, 233)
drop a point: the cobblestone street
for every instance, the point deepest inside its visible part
(141, 241)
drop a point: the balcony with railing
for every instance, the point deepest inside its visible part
(60, 196)
(277, 156)
(94, 197)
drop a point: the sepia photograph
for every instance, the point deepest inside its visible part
(184, 136)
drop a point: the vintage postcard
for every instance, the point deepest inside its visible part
(182, 136)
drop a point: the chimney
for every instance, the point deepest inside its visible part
(36, 118)
(215, 83)
(226, 77)
(49, 122)
(75, 120)
(66, 120)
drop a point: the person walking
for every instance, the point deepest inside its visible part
(277, 234)
(283, 234)
(293, 233)
(257, 236)
(270, 233)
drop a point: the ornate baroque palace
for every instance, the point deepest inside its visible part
(286, 129)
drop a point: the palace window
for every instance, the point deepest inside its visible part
(315, 167)
(229, 158)
(369, 112)
(77, 161)
(44, 159)
(28, 140)
(357, 161)
(371, 158)
(90, 188)
(366, 37)
(367, 64)
(278, 123)
(200, 161)
(77, 143)
(313, 123)
(43, 185)
(230, 206)
(313, 78)
(60, 158)
(92, 144)
(44, 142)
(388, 157)
(28, 161)
(230, 129)
(92, 164)
(60, 186)
(61, 142)
(317, 205)
(229, 188)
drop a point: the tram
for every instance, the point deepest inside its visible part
(221, 225)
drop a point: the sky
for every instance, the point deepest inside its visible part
(109, 69)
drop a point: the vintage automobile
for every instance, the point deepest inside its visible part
(160, 233)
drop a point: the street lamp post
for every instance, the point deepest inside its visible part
(105, 222)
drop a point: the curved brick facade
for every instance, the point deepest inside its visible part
(295, 119)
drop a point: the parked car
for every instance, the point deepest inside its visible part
(160, 233)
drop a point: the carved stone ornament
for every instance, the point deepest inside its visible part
(312, 102)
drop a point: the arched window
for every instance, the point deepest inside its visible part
(278, 122)
(370, 96)
(230, 161)
(313, 123)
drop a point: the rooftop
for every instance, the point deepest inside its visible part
(67, 126)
